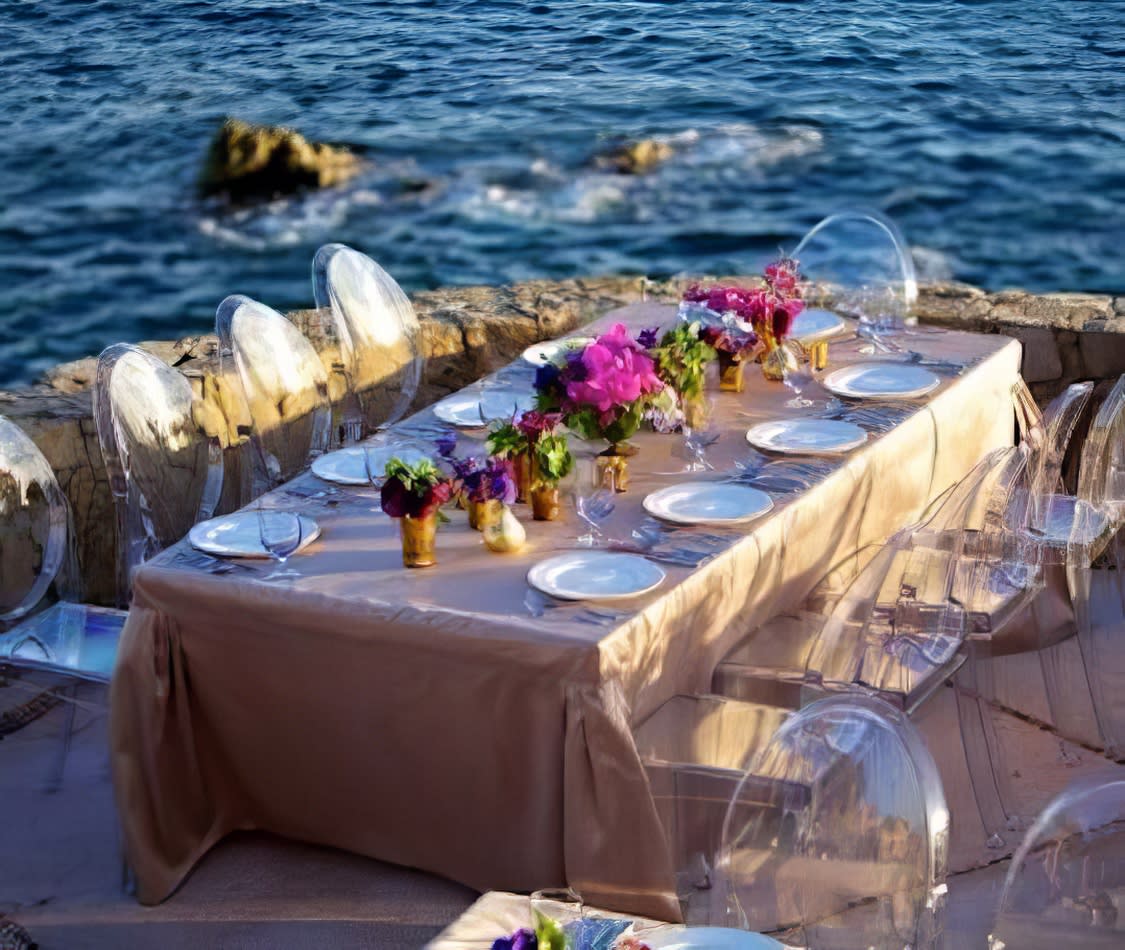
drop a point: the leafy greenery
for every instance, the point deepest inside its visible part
(549, 935)
(552, 458)
(682, 359)
(506, 441)
(587, 424)
(417, 477)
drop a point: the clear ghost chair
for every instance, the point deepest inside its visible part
(1065, 886)
(858, 263)
(842, 842)
(379, 338)
(285, 385)
(1095, 567)
(164, 471)
(70, 638)
(892, 619)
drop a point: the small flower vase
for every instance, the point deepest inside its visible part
(730, 372)
(545, 502)
(522, 464)
(695, 412)
(484, 513)
(614, 465)
(418, 536)
(777, 359)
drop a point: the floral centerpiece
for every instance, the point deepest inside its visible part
(508, 441)
(551, 460)
(741, 322)
(590, 933)
(487, 486)
(413, 492)
(681, 359)
(601, 392)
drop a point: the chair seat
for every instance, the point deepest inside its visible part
(73, 638)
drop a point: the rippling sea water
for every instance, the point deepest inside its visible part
(993, 131)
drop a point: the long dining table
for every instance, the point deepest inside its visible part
(455, 720)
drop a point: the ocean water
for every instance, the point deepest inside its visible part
(993, 131)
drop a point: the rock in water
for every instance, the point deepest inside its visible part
(248, 161)
(635, 158)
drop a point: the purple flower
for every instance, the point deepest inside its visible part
(446, 444)
(521, 940)
(546, 376)
(494, 479)
(647, 338)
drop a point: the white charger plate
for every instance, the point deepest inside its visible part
(813, 325)
(465, 409)
(595, 575)
(346, 466)
(707, 503)
(881, 379)
(674, 937)
(238, 535)
(807, 436)
(551, 350)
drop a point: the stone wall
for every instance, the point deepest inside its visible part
(470, 331)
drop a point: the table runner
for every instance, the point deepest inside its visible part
(445, 719)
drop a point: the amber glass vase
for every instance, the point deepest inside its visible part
(484, 513)
(730, 372)
(545, 502)
(418, 537)
(614, 465)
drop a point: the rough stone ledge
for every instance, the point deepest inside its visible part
(470, 331)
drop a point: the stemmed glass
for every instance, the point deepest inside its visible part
(798, 377)
(280, 533)
(700, 431)
(594, 498)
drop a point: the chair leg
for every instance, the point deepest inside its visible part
(54, 783)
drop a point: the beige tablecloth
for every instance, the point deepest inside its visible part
(442, 719)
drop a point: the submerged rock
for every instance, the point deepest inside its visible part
(635, 158)
(248, 161)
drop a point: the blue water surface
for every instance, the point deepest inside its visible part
(994, 131)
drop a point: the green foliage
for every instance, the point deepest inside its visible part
(628, 420)
(417, 477)
(506, 441)
(682, 359)
(549, 935)
(553, 459)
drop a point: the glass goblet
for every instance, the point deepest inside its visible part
(280, 534)
(594, 498)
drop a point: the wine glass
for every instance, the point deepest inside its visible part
(798, 376)
(594, 498)
(700, 431)
(280, 533)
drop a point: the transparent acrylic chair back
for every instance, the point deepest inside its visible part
(378, 333)
(1065, 886)
(898, 630)
(33, 524)
(285, 385)
(858, 262)
(1095, 567)
(851, 851)
(165, 473)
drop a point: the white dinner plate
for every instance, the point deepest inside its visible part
(466, 409)
(813, 325)
(595, 575)
(551, 350)
(346, 466)
(878, 380)
(707, 503)
(674, 937)
(238, 535)
(807, 436)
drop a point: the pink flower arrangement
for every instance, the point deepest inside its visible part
(769, 310)
(603, 389)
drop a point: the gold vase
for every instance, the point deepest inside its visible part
(730, 372)
(521, 462)
(695, 410)
(545, 502)
(484, 513)
(418, 536)
(614, 465)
